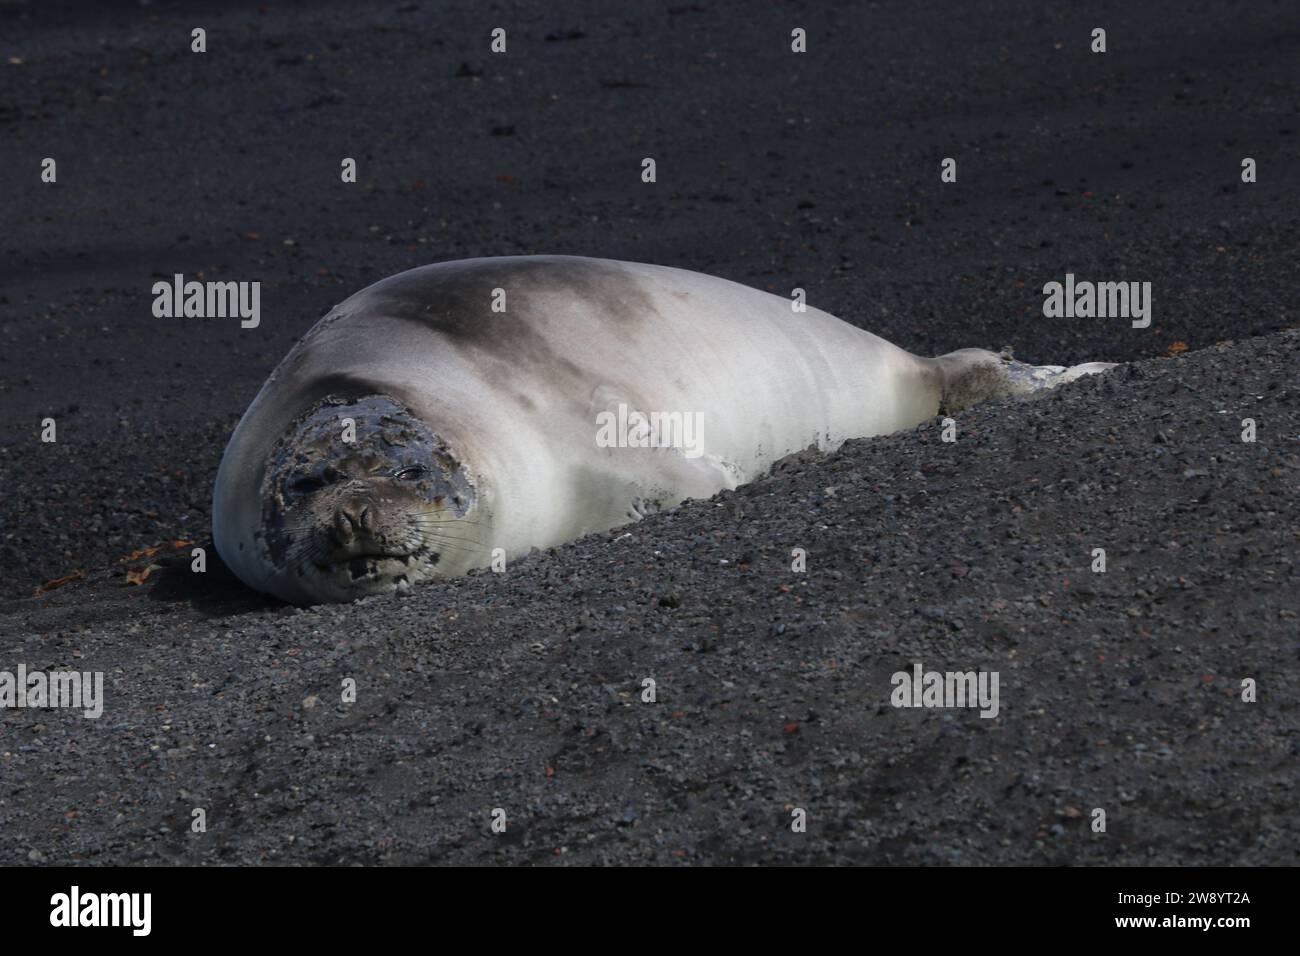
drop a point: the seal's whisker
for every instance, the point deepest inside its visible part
(435, 533)
(428, 517)
(299, 564)
(439, 545)
(306, 551)
(443, 536)
(432, 526)
(425, 519)
(435, 543)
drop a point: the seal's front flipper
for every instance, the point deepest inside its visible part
(677, 478)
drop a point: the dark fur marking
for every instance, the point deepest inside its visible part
(457, 302)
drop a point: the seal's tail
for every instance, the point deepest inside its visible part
(971, 376)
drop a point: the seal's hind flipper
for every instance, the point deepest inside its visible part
(1034, 378)
(971, 376)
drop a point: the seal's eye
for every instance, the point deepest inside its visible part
(305, 486)
(414, 473)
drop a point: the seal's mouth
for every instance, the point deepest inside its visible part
(373, 565)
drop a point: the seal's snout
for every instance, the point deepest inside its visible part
(353, 518)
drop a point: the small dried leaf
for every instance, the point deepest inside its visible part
(140, 575)
(59, 582)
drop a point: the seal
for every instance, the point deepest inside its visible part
(508, 403)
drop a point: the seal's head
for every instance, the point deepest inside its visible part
(359, 496)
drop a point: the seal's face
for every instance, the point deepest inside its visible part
(360, 497)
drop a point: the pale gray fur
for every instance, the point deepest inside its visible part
(515, 396)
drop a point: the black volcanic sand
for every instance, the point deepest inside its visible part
(522, 691)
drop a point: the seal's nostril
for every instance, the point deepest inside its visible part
(352, 517)
(342, 525)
